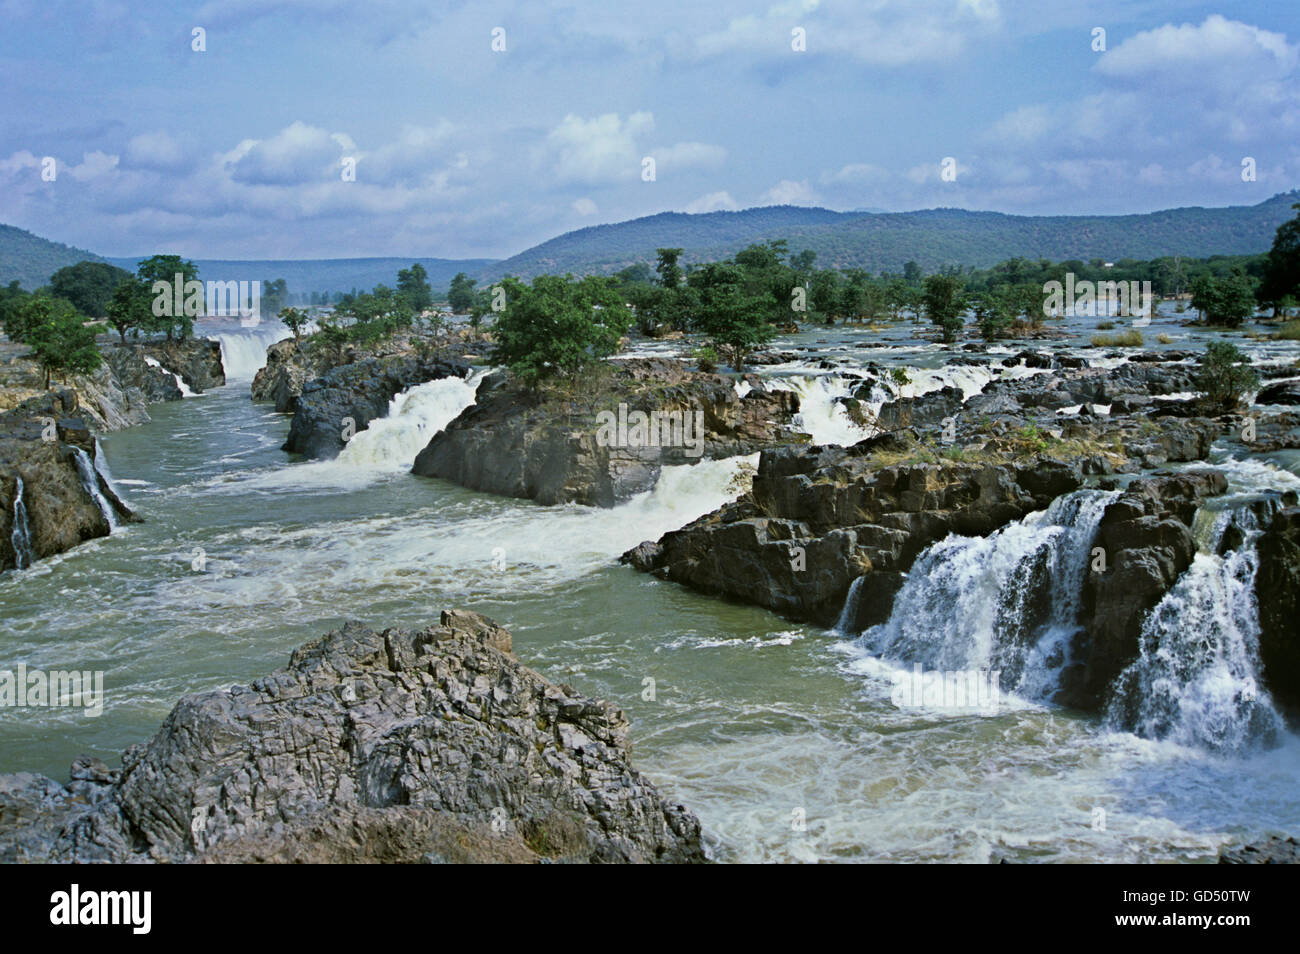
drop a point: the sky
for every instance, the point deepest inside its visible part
(479, 129)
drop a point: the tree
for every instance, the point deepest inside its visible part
(413, 288)
(89, 286)
(670, 273)
(275, 295)
(166, 268)
(994, 311)
(558, 326)
(460, 296)
(1281, 276)
(11, 298)
(1225, 375)
(912, 273)
(59, 339)
(735, 317)
(129, 309)
(1224, 301)
(295, 321)
(944, 303)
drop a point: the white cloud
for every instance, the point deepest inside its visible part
(1183, 54)
(155, 150)
(93, 165)
(602, 149)
(789, 192)
(585, 207)
(713, 202)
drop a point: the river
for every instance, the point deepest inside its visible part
(780, 736)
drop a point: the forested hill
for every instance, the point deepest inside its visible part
(32, 260)
(932, 238)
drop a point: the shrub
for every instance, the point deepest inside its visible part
(1225, 375)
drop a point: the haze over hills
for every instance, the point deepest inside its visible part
(874, 241)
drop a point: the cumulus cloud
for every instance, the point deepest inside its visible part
(713, 202)
(585, 207)
(789, 192)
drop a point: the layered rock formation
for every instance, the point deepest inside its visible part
(435, 745)
(549, 446)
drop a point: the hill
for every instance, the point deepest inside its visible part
(327, 274)
(932, 238)
(32, 260)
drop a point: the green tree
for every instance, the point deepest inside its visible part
(166, 268)
(1227, 301)
(734, 316)
(295, 321)
(460, 296)
(129, 309)
(275, 295)
(558, 326)
(59, 339)
(1281, 273)
(670, 273)
(944, 303)
(1225, 375)
(88, 285)
(413, 288)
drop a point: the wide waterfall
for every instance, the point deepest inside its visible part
(90, 482)
(1007, 602)
(1196, 680)
(21, 536)
(414, 417)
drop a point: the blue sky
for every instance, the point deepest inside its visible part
(463, 151)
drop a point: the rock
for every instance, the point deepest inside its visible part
(1278, 576)
(1283, 392)
(550, 447)
(360, 391)
(1273, 851)
(819, 518)
(433, 745)
(60, 512)
(1146, 538)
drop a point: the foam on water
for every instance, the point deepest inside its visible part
(244, 354)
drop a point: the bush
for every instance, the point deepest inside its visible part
(1225, 375)
(1126, 339)
(706, 359)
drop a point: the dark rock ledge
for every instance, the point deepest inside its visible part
(400, 746)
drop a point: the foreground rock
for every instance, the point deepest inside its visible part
(1278, 576)
(548, 446)
(1274, 851)
(48, 484)
(398, 746)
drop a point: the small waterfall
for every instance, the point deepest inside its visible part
(243, 355)
(848, 614)
(185, 388)
(820, 413)
(90, 482)
(414, 417)
(1007, 602)
(21, 537)
(1196, 681)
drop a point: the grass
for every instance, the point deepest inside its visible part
(1126, 339)
(1164, 339)
(1290, 331)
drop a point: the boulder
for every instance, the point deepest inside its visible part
(397, 746)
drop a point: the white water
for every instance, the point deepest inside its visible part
(185, 388)
(21, 537)
(820, 414)
(90, 482)
(243, 355)
(392, 442)
(965, 605)
(1196, 680)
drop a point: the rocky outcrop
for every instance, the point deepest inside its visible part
(820, 518)
(1282, 392)
(553, 447)
(434, 745)
(56, 510)
(1145, 542)
(196, 360)
(353, 395)
(1277, 579)
(289, 366)
(1273, 851)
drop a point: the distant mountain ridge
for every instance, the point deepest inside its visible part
(876, 241)
(932, 237)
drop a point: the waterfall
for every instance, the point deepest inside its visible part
(90, 482)
(820, 413)
(21, 537)
(1007, 602)
(185, 388)
(414, 417)
(844, 624)
(1195, 681)
(243, 355)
